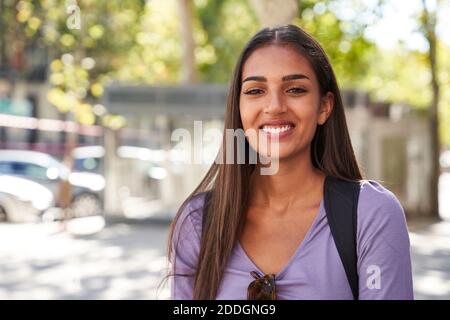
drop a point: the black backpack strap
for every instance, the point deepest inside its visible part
(341, 206)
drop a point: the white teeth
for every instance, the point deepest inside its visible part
(276, 130)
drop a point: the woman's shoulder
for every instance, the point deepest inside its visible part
(383, 245)
(185, 242)
(374, 197)
(379, 210)
(191, 214)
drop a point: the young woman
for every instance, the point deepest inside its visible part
(240, 225)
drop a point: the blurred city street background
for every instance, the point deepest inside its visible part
(91, 93)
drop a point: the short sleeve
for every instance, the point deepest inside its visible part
(384, 254)
(185, 250)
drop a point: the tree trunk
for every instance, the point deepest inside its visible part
(3, 26)
(275, 12)
(188, 69)
(429, 27)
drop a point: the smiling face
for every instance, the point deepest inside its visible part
(280, 98)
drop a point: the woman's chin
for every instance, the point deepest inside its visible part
(278, 155)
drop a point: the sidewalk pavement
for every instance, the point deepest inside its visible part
(431, 259)
(128, 261)
(123, 261)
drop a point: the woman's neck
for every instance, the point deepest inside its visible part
(296, 181)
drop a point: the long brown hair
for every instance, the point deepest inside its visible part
(227, 185)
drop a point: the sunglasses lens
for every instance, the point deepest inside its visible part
(262, 289)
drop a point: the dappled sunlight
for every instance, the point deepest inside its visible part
(431, 261)
(433, 284)
(85, 226)
(119, 262)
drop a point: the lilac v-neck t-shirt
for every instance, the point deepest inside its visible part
(315, 270)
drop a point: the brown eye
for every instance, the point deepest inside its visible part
(253, 91)
(296, 90)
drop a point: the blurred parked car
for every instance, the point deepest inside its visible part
(89, 159)
(23, 200)
(87, 187)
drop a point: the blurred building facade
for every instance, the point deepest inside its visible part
(392, 144)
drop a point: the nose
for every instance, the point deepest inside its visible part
(275, 104)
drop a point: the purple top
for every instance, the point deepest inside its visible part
(315, 271)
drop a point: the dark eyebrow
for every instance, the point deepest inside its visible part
(285, 78)
(255, 78)
(294, 77)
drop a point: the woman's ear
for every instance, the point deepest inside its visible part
(326, 106)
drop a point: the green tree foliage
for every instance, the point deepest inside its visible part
(155, 53)
(223, 28)
(81, 58)
(342, 39)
